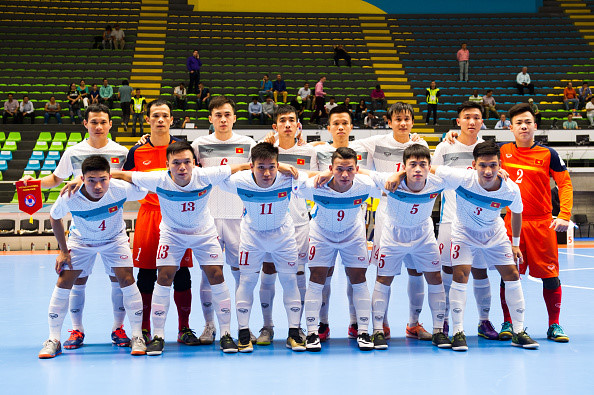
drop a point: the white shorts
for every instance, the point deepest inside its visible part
(324, 246)
(228, 231)
(204, 246)
(302, 240)
(277, 245)
(417, 247)
(493, 243)
(114, 254)
(444, 242)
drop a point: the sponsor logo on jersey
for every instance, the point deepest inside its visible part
(300, 161)
(539, 162)
(357, 202)
(302, 255)
(291, 264)
(123, 256)
(282, 194)
(30, 200)
(558, 305)
(146, 162)
(113, 209)
(508, 255)
(214, 256)
(508, 155)
(435, 263)
(115, 160)
(361, 258)
(551, 267)
(209, 150)
(433, 195)
(239, 150)
(495, 204)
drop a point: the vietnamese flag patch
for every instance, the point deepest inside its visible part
(202, 193)
(239, 150)
(113, 209)
(495, 204)
(539, 161)
(115, 160)
(359, 157)
(282, 194)
(433, 195)
(300, 161)
(357, 202)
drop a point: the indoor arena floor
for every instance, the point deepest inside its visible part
(407, 367)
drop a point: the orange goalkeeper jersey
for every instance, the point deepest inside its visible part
(531, 168)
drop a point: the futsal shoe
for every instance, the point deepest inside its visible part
(324, 332)
(188, 337)
(506, 332)
(50, 349)
(459, 342)
(228, 346)
(379, 341)
(209, 333)
(156, 346)
(75, 340)
(119, 337)
(138, 345)
(312, 343)
(294, 341)
(441, 340)
(353, 331)
(266, 336)
(486, 330)
(244, 343)
(523, 340)
(364, 342)
(556, 333)
(418, 332)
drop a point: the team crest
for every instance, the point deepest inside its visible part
(115, 160)
(495, 204)
(113, 209)
(30, 200)
(282, 194)
(357, 202)
(300, 161)
(239, 150)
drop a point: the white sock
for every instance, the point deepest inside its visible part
(458, 303)
(267, 291)
(236, 275)
(58, 308)
(482, 294)
(133, 308)
(447, 279)
(381, 294)
(515, 302)
(117, 301)
(291, 298)
(416, 295)
(244, 298)
(362, 303)
(313, 303)
(386, 323)
(436, 297)
(222, 302)
(325, 301)
(352, 311)
(206, 299)
(76, 306)
(301, 284)
(159, 309)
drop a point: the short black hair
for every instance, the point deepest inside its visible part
(467, 105)
(125, 82)
(520, 109)
(416, 151)
(95, 163)
(263, 151)
(489, 90)
(158, 102)
(399, 107)
(339, 110)
(486, 148)
(96, 108)
(285, 109)
(344, 153)
(220, 101)
(177, 147)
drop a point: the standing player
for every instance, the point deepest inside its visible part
(151, 156)
(478, 226)
(266, 228)
(338, 227)
(183, 192)
(98, 123)
(97, 227)
(459, 155)
(303, 157)
(531, 166)
(221, 148)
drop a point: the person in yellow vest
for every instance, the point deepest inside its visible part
(432, 99)
(138, 107)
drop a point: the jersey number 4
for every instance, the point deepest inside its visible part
(102, 225)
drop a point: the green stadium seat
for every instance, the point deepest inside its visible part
(2, 137)
(29, 173)
(58, 188)
(52, 197)
(70, 144)
(60, 137)
(75, 136)
(14, 136)
(57, 146)
(9, 146)
(41, 146)
(15, 198)
(45, 136)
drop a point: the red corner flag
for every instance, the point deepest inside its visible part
(29, 196)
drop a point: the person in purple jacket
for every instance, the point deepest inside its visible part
(193, 65)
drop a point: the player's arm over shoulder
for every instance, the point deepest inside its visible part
(133, 192)
(372, 186)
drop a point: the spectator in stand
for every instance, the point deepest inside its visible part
(297, 104)
(202, 97)
(117, 37)
(52, 109)
(537, 114)
(523, 81)
(360, 112)
(503, 123)
(584, 94)
(265, 88)
(181, 96)
(83, 90)
(570, 124)
(590, 110)
(11, 107)
(268, 109)
(26, 109)
(193, 64)
(255, 111)
(378, 98)
(476, 98)
(305, 94)
(74, 103)
(371, 121)
(341, 53)
(463, 56)
(384, 122)
(330, 105)
(138, 108)
(432, 95)
(125, 97)
(279, 86)
(347, 104)
(106, 94)
(320, 101)
(570, 96)
(94, 95)
(489, 104)
(107, 40)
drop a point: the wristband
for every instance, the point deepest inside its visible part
(516, 241)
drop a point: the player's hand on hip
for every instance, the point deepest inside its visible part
(518, 258)
(394, 180)
(322, 178)
(503, 174)
(559, 225)
(143, 139)
(62, 259)
(450, 136)
(72, 187)
(288, 170)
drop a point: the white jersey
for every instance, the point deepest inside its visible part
(101, 221)
(210, 151)
(303, 157)
(265, 208)
(455, 155)
(184, 209)
(73, 157)
(324, 153)
(385, 153)
(335, 211)
(406, 208)
(476, 208)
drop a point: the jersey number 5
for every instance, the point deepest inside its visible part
(414, 209)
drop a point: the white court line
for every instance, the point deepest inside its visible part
(567, 253)
(538, 280)
(573, 270)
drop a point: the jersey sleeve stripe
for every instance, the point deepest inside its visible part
(486, 202)
(222, 150)
(264, 197)
(100, 213)
(340, 203)
(414, 198)
(179, 196)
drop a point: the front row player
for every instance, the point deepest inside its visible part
(97, 227)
